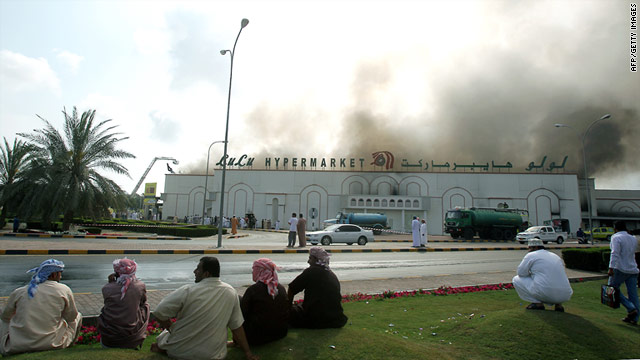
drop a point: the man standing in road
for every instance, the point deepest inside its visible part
(423, 234)
(234, 225)
(624, 269)
(204, 311)
(302, 228)
(542, 279)
(415, 232)
(40, 316)
(293, 227)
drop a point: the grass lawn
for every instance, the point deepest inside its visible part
(482, 325)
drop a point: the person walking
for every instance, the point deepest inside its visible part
(423, 234)
(415, 232)
(234, 225)
(624, 269)
(302, 228)
(293, 227)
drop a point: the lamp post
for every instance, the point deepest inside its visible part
(243, 24)
(584, 162)
(206, 178)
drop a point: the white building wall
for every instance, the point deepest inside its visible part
(272, 194)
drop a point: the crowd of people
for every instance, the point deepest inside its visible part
(43, 315)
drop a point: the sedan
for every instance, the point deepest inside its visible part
(340, 233)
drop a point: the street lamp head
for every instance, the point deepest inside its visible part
(244, 23)
(605, 116)
(224, 52)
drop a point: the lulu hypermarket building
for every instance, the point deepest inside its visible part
(272, 188)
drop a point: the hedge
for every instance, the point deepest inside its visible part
(591, 259)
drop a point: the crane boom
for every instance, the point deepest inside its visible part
(175, 162)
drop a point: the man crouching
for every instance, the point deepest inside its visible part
(542, 279)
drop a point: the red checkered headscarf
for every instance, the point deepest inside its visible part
(126, 270)
(264, 270)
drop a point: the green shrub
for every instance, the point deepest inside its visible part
(592, 259)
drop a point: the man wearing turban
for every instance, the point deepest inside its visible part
(123, 319)
(322, 305)
(264, 305)
(40, 316)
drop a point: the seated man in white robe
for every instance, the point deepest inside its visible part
(542, 278)
(40, 316)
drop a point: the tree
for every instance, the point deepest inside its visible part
(64, 169)
(13, 162)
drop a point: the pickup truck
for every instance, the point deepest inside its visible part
(544, 233)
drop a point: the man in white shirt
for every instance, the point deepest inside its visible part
(293, 227)
(624, 269)
(423, 234)
(415, 232)
(542, 278)
(204, 311)
(41, 315)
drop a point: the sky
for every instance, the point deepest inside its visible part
(457, 81)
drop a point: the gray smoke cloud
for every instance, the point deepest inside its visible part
(498, 103)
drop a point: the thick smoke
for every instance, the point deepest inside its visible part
(496, 102)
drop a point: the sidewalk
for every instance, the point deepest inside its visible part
(89, 304)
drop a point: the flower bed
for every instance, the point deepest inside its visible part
(89, 334)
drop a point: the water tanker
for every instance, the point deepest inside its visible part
(488, 223)
(376, 222)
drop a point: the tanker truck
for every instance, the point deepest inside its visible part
(488, 223)
(375, 222)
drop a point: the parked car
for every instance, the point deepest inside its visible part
(340, 233)
(600, 233)
(544, 233)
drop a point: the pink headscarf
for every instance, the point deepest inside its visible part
(264, 270)
(126, 270)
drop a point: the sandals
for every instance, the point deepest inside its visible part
(534, 306)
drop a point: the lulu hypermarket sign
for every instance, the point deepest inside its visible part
(383, 160)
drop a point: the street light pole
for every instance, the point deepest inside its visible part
(243, 24)
(586, 174)
(206, 178)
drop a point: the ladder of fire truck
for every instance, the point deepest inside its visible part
(175, 162)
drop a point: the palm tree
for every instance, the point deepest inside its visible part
(13, 162)
(65, 168)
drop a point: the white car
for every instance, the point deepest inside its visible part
(544, 233)
(340, 233)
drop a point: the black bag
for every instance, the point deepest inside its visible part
(610, 296)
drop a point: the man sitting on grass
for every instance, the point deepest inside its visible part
(204, 311)
(542, 279)
(322, 305)
(42, 315)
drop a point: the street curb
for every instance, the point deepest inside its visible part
(251, 251)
